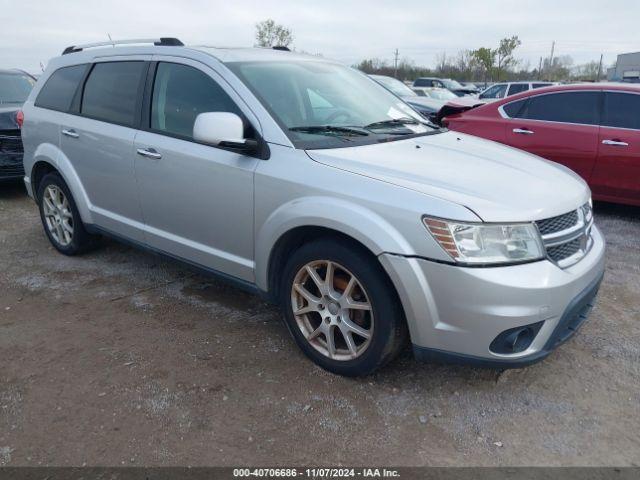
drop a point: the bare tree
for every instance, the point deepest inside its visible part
(271, 34)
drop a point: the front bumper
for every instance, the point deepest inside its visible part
(454, 313)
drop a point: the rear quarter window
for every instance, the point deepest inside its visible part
(60, 88)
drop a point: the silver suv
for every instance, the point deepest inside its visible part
(305, 181)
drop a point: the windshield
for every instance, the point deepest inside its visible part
(327, 105)
(15, 87)
(394, 86)
(441, 94)
(451, 84)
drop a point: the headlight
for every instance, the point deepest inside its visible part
(486, 243)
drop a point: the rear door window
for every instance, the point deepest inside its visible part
(60, 88)
(570, 107)
(112, 92)
(621, 110)
(540, 85)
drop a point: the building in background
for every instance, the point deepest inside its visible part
(627, 68)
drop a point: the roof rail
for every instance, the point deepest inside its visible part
(282, 48)
(163, 41)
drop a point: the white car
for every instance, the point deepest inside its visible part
(502, 90)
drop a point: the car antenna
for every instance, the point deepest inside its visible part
(111, 39)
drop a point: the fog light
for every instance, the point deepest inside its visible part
(516, 339)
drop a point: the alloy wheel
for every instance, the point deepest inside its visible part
(332, 310)
(58, 216)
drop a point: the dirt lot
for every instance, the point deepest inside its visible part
(121, 357)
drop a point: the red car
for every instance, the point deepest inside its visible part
(594, 129)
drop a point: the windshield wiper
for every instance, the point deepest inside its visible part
(329, 129)
(394, 122)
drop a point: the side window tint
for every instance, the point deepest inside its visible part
(180, 94)
(622, 110)
(111, 92)
(58, 92)
(514, 109)
(574, 107)
(517, 88)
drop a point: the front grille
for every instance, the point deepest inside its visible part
(565, 250)
(558, 224)
(567, 237)
(11, 153)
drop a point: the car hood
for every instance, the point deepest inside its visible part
(427, 102)
(498, 183)
(8, 116)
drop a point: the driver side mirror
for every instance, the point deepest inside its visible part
(222, 129)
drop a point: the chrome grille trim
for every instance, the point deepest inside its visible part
(567, 238)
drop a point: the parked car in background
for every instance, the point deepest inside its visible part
(436, 93)
(471, 86)
(502, 90)
(15, 87)
(449, 84)
(300, 179)
(425, 105)
(594, 129)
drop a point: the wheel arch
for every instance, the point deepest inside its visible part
(301, 221)
(49, 158)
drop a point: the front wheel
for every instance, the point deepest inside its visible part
(341, 308)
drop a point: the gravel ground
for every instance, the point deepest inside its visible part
(121, 357)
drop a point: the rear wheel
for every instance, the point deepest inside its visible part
(60, 217)
(341, 308)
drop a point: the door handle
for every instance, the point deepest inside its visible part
(523, 131)
(70, 133)
(149, 153)
(616, 143)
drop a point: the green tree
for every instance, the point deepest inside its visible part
(504, 54)
(486, 59)
(271, 34)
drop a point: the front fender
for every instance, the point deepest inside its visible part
(360, 223)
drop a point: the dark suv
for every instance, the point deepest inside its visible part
(15, 87)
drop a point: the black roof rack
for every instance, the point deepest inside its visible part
(162, 41)
(281, 48)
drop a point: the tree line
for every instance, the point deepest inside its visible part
(484, 64)
(487, 64)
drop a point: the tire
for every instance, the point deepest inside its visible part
(358, 281)
(70, 236)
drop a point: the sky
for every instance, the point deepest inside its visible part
(33, 31)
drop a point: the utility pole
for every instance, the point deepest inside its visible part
(599, 69)
(395, 64)
(553, 48)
